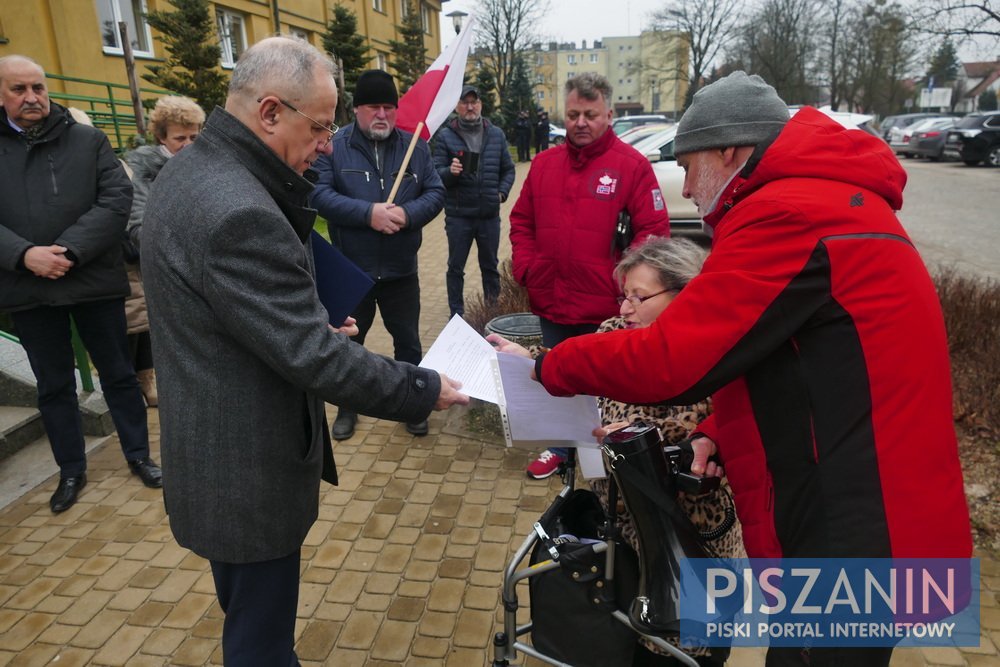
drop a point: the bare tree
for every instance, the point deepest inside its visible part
(710, 26)
(504, 28)
(966, 18)
(778, 43)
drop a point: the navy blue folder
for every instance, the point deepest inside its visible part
(340, 284)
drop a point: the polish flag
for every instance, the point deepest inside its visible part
(434, 96)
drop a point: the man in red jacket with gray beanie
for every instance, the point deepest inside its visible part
(816, 329)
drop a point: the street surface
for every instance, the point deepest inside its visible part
(952, 212)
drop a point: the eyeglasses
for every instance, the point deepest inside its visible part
(331, 129)
(637, 300)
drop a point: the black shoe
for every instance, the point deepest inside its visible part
(66, 492)
(417, 428)
(343, 426)
(148, 472)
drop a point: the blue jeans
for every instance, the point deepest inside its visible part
(461, 233)
(398, 302)
(259, 601)
(554, 333)
(46, 336)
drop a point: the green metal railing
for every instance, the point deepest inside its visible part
(82, 360)
(109, 107)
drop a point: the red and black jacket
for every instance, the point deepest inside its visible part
(817, 331)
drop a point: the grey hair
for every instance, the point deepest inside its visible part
(675, 260)
(283, 65)
(589, 86)
(14, 57)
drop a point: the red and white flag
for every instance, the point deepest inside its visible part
(436, 93)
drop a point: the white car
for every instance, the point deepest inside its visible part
(557, 135)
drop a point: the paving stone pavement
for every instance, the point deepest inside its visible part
(403, 566)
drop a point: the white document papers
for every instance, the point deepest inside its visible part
(462, 354)
(531, 417)
(538, 418)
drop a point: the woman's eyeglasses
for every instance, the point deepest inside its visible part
(637, 300)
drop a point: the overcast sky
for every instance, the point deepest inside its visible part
(574, 20)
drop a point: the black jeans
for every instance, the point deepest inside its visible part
(461, 233)
(46, 336)
(398, 302)
(260, 601)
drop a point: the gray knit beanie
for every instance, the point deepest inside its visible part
(737, 110)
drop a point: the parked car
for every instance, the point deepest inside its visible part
(640, 132)
(926, 138)
(557, 135)
(901, 121)
(975, 139)
(623, 123)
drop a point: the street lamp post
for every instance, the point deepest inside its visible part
(457, 19)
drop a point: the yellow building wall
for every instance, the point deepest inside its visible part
(64, 36)
(664, 74)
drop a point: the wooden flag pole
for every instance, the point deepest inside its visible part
(406, 161)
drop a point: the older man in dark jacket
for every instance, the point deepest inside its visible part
(66, 200)
(473, 160)
(380, 236)
(244, 352)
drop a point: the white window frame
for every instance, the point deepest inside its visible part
(224, 29)
(571, 59)
(378, 6)
(404, 8)
(425, 19)
(593, 57)
(381, 62)
(137, 33)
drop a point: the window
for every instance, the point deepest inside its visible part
(571, 59)
(110, 12)
(232, 36)
(570, 75)
(381, 62)
(593, 57)
(541, 95)
(425, 19)
(378, 6)
(404, 8)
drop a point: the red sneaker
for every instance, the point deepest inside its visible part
(545, 465)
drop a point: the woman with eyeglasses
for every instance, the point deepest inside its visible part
(650, 276)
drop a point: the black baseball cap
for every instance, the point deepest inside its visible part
(469, 89)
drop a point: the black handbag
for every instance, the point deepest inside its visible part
(571, 605)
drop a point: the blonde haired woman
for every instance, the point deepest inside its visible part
(175, 123)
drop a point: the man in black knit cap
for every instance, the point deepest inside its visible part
(379, 236)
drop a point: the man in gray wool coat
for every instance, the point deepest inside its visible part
(244, 354)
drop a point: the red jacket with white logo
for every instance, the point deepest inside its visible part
(562, 226)
(816, 328)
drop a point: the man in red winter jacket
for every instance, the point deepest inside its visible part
(562, 228)
(816, 329)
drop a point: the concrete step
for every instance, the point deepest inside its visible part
(18, 427)
(29, 467)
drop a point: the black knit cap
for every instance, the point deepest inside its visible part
(375, 87)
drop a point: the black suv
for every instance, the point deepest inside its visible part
(975, 139)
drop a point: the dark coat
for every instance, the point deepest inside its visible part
(244, 356)
(351, 180)
(67, 189)
(475, 195)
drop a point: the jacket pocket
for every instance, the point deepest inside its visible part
(356, 173)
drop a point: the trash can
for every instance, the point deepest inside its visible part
(521, 328)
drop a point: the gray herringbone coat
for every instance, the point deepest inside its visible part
(244, 356)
